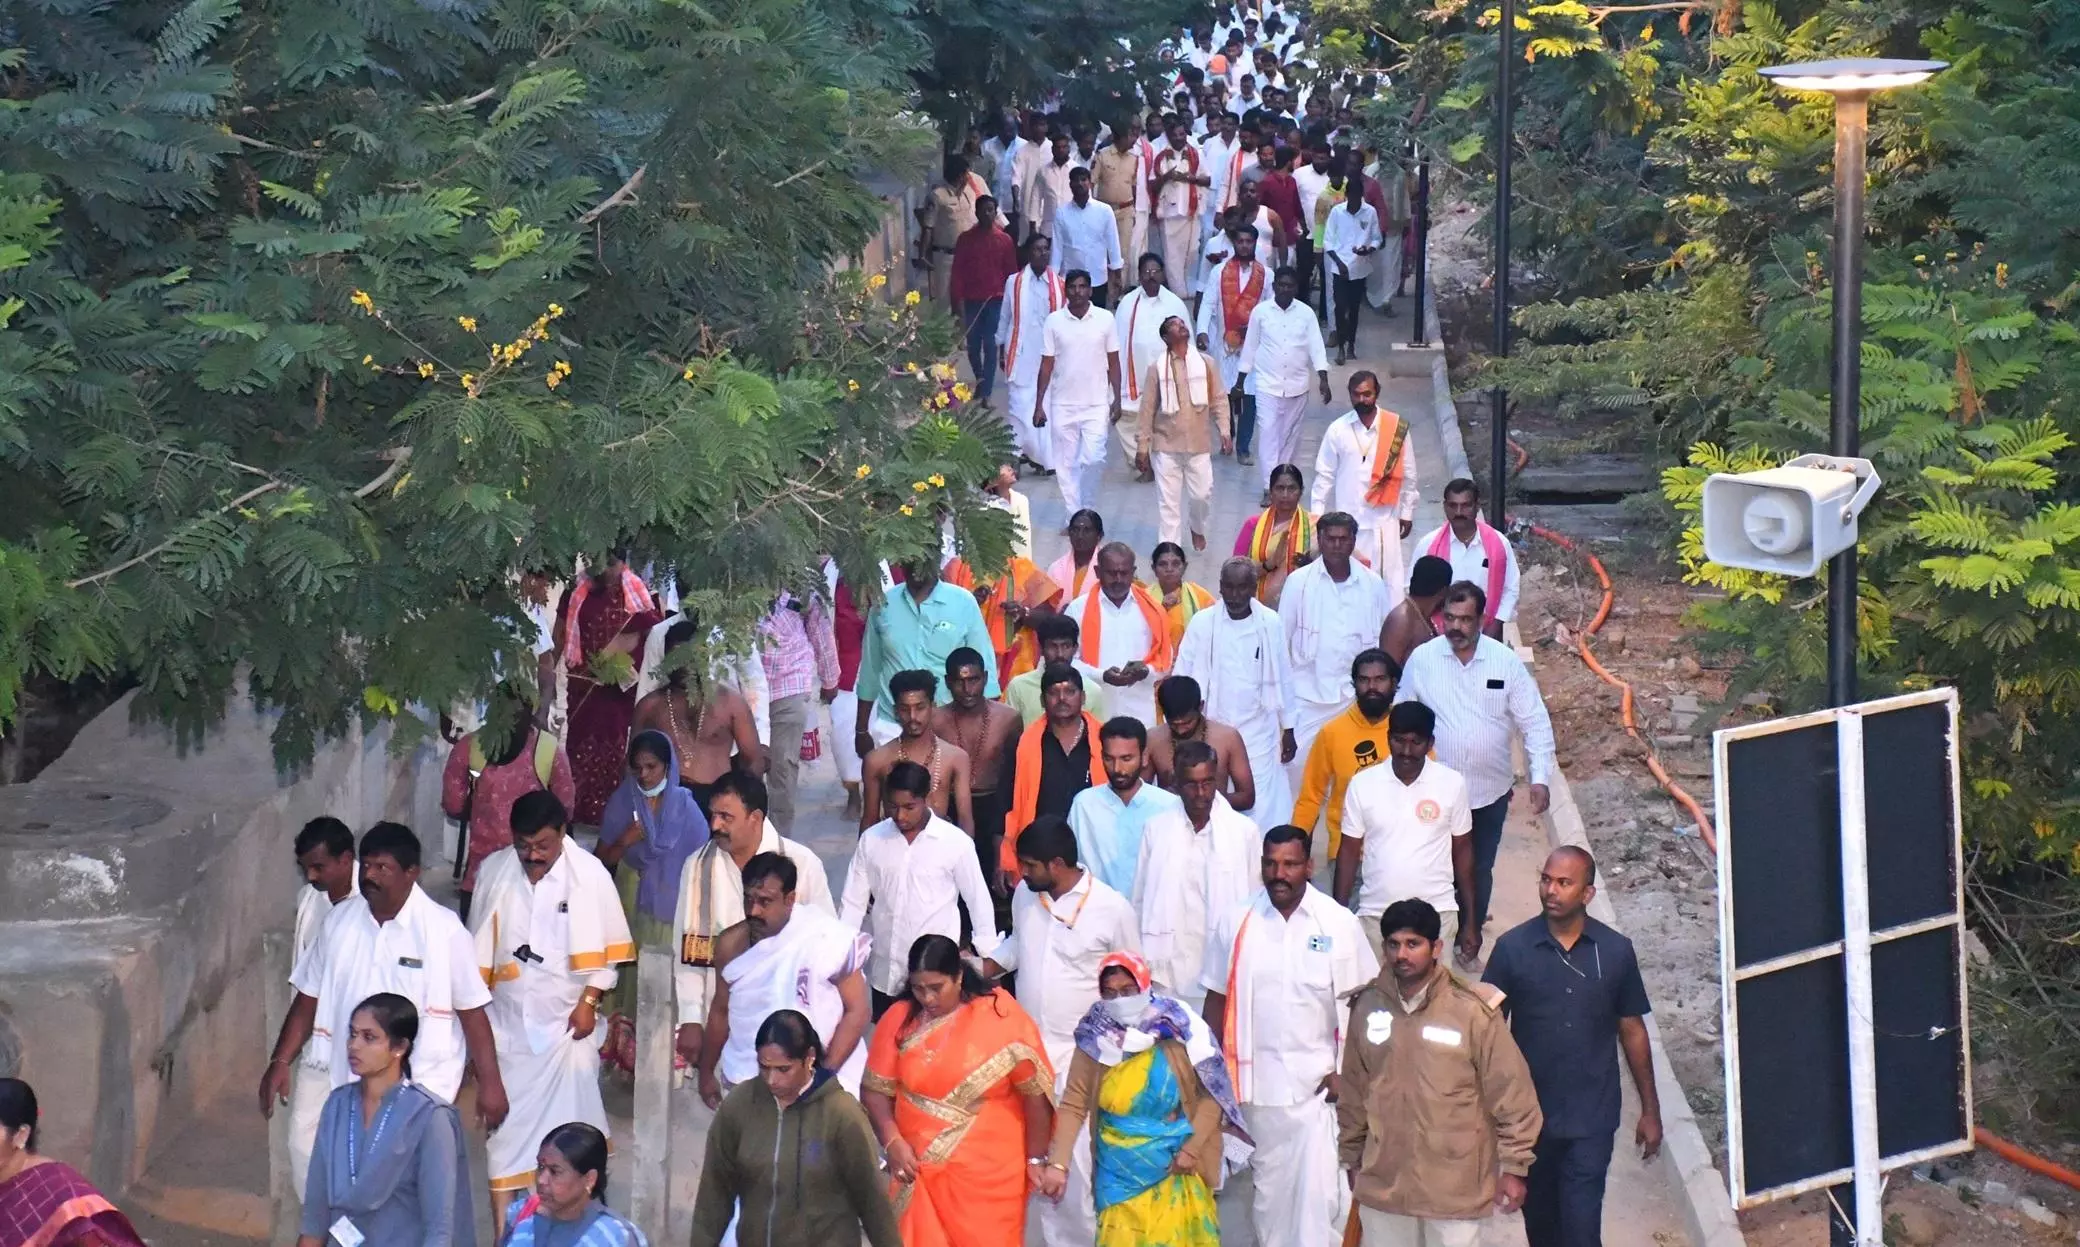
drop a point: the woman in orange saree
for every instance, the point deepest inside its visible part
(962, 1099)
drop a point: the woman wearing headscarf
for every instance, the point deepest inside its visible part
(1147, 1071)
(601, 626)
(389, 1165)
(569, 1204)
(960, 1093)
(45, 1202)
(650, 827)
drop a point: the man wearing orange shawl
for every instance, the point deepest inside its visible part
(1125, 634)
(1235, 286)
(1058, 757)
(1367, 468)
(961, 1096)
(1006, 603)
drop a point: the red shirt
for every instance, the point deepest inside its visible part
(1280, 193)
(983, 259)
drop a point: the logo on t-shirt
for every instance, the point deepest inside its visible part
(1428, 811)
(1366, 753)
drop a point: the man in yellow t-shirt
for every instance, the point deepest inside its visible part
(1348, 743)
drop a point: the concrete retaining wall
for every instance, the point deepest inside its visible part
(136, 883)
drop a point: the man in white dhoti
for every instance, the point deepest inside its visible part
(711, 894)
(1139, 320)
(1124, 633)
(392, 938)
(1078, 389)
(1234, 287)
(549, 931)
(1196, 864)
(1282, 349)
(1031, 295)
(784, 955)
(1367, 469)
(325, 856)
(1238, 655)
(1177, 186)
(1278, 971)
(1332, 609)
(1065, 921)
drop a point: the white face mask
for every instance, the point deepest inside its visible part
(658, 791)
(1127, 1010)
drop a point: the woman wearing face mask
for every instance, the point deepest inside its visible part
(569, 1204)
(1148, 1068)
(791, 1158)
(960, 1093)
(389, 1165)
(45, 1201)
(650, 827)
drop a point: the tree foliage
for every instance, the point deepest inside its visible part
(319, 321)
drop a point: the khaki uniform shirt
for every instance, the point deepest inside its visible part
(1435, 1099)
(950, 213)
(1114, 174)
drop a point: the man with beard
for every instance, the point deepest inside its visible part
(1184, 719)
(1408, 831)
(1278, 971)
(1109, 819)
(783, 956)
(1332, 609)
(1353, 741)
(948, 764)
(1195, 866)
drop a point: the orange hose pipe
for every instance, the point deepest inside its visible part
(2024, 1158)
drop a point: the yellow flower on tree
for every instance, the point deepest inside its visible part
(962, 392)
(687, 375)
(877, 281)
(553, 380)
(361, 300)
(862, 473)
(938, 481)
(563, 366)
(907, 509)
(555, 309)
(425, 369)
(852, 387)
(369, 360)
(918, 486)
(913, 299)
(468, 323)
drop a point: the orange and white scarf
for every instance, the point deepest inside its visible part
(1239, 297)
(1389, 465)
(1161, 647)
(1055, 299)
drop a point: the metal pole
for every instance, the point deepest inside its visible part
(1862, 1205)
(1851, 118)
(1498, 419)
(1418, 334)
(1853, 1204)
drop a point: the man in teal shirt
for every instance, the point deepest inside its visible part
(916, 626)
(1108, 821)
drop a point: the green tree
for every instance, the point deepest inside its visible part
(319, 322)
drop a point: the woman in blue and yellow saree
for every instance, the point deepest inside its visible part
(1150, 1080)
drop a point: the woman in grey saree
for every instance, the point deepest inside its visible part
(388, 1169)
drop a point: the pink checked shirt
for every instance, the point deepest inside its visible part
(799, 648)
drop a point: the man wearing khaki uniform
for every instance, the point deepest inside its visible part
(948, 212)
(1116, 177)
(1437, 1115)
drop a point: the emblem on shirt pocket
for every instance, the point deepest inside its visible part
(1428, 811)
(1379, 1026)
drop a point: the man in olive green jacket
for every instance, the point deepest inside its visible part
(1438, 1115)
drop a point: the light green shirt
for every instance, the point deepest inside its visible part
(1023, 693)
(904, 634)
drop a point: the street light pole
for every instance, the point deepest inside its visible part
(1498, 417)
(1851, 134)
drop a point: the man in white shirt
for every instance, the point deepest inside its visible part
(1234, 288)
(325, 856)
(1196, 864)
(1177, 187)
(1064, 922)
(1408, 834)
(914, 867)
(1139, 319)
(1283, 345)
(1482, 694)
(1003, 151)
(1218, 155)
(1031, 295)
(1035, 152)
(1078, 390)
(549, 932)
(1350, 240)
(1086, 236)
(1131, 638)
(1278, 973)
(1477, 552)
(393, 938)
(1238, 655)
(1332, 609)
(1366, 468)
(1047, 185)
(1313, 180)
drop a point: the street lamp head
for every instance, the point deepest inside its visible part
(1856, 75)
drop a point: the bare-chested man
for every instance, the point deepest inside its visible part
(1408, 624)
(913, 693)
(1184, 718)
(987, 731)
(707, 721)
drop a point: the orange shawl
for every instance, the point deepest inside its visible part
(1160, 646)
(1025, 782)
(1022, 582)
(1238, 301)
(1388, 464)
(1055, 298)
